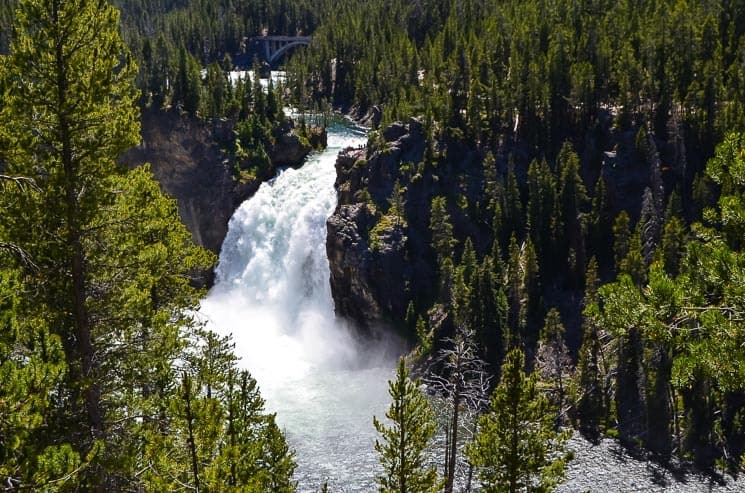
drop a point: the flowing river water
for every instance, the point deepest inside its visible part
(272, 293)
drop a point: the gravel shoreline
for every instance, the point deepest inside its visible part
(610, 467)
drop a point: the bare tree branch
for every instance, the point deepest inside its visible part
(20, 254)
(23, 183)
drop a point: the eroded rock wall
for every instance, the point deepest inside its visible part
(187, 158)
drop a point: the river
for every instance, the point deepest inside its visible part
(272, 293)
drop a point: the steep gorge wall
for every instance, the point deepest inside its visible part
(187, 159)
(376, 269)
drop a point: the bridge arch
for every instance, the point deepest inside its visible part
(284, 49)
(272, 48)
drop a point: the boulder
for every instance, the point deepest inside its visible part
(290, 150)
(394, 131)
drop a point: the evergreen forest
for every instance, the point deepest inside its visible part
(567, 235)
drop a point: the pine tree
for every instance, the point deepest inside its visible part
(70, 109)
(622, 238)
(442, 230)
(649, 226)
(634, 263)
(517, 448)
(443, 243)
(673, 245)
(32, 365)
(488, 313)
(404, 442)
(187, 86)
(468, 262)
(622, 316)
(601, 223)
(397, 203)
(591, 402)
(512, 208)
(491, 181)
(568, 227)
(553, 362)
(541, 204)
(114, 263)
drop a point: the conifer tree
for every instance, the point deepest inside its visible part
(32, 365)
(403, 445)
(443, 243)
(568, 228)
(553, 362)
(187, 86)
(442, 230)
(541, 204)
(673, 245)
(468, 262)
(634, 263)
(110, 297)
(517, 448)
(488, 312)
(622, 315)
(70, 110)
(622, 238)
(601, 223)
(591, 402)
(649, 227)
(397, 203)
(491, 181)
(512, 208)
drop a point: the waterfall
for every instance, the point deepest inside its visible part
(272, 294)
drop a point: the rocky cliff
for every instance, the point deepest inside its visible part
(382, 260)
(378, 263)
(188, 159)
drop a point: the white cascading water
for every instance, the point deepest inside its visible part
(272, 294)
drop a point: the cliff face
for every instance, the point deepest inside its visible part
(379, 266)
(381, 261)
(187, 159)
(188, 164)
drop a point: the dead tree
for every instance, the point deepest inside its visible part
(463, 381)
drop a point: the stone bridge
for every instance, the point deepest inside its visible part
(274, 47)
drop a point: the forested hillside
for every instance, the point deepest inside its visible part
(572, 164)
(553, 189)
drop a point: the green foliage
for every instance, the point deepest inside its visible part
(622, 239)
(33, 365)
(541, 204)
(591, 399)
(186, 89)
(424, 335)
(516, 447)
(443, 241)
(553, 362)
(97, 314)
(397, 202)
(403, 445)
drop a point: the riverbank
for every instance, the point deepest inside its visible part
(609, 467)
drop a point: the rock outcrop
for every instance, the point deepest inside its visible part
(377, 264)
(187, 159)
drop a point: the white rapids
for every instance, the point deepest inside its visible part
(272, 294)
